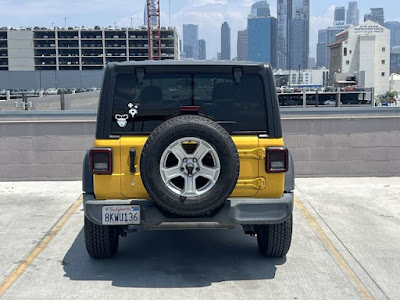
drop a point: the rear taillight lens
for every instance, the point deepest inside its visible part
(277, 160)
(101, 161)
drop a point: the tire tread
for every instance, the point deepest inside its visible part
(274, 239)
(101, 241)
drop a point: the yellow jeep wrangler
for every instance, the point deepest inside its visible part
(188, 145)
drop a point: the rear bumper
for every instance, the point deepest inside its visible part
(243, 211)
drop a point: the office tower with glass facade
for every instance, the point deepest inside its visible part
(262, 34)
(225, 41)
(394, 33)
(202, 50)
(260, 9)
(322, 49)
(284, 15)
(191, 41)
(299, 34)
(353, 14)
(298, 57)
(377, 15)
(340, 14)
(243, 45)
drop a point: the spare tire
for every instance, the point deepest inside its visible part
(189, 165)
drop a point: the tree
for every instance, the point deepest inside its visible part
(392, 95)
(389, 97)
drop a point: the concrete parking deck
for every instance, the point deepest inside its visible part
(346, 245)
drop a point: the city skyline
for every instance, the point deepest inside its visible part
(208, 14)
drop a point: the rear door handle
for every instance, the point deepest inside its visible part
(132, 154)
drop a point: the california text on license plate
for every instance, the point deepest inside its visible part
(121, 214)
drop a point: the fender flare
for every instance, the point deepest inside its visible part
(87, 177)
(289, 176)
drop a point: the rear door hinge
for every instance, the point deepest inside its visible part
(256, 183)
(257, 153)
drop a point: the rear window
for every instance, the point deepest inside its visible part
(141, 107)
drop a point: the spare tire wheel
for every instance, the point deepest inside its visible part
(189, 165)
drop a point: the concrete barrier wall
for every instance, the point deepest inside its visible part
(44, 148)
(344, 147)
(40, 146)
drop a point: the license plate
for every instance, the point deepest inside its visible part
(121, 215)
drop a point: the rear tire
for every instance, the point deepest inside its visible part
(101, 241)
(274, 239)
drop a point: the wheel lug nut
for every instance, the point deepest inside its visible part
(197, 169)
(182, 169)
(185, 160)
(194, 160)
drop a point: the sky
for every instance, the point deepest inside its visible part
(208, 14)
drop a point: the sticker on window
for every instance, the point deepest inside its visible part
(133, 109)
(122, 120)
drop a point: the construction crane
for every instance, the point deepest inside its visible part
(153, 30)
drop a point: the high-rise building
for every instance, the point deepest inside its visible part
(394, 33)
(290, 14)
(378, 16)
(299, 34)
(394, 28)
(284, 15)
(340, 14)
(261, 29)
(312, 63)
(260, 9)
(298, 56)
(367, 17)
(243, 45)
(202, 50)
(262, 34)
(225, 41)
(191, 41)
(395, 60)
(322, 49)
(353, 14)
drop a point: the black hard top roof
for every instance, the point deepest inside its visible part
(171, 62)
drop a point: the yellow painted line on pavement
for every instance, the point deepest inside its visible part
(332, 249)
(39, 248)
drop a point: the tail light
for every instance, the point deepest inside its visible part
(277, 160)
(101, 161)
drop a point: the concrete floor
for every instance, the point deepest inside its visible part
(359, 218)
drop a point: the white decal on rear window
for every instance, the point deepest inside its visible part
(122, 120)
(133, 109)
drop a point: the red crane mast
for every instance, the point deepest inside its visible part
(153, 29)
